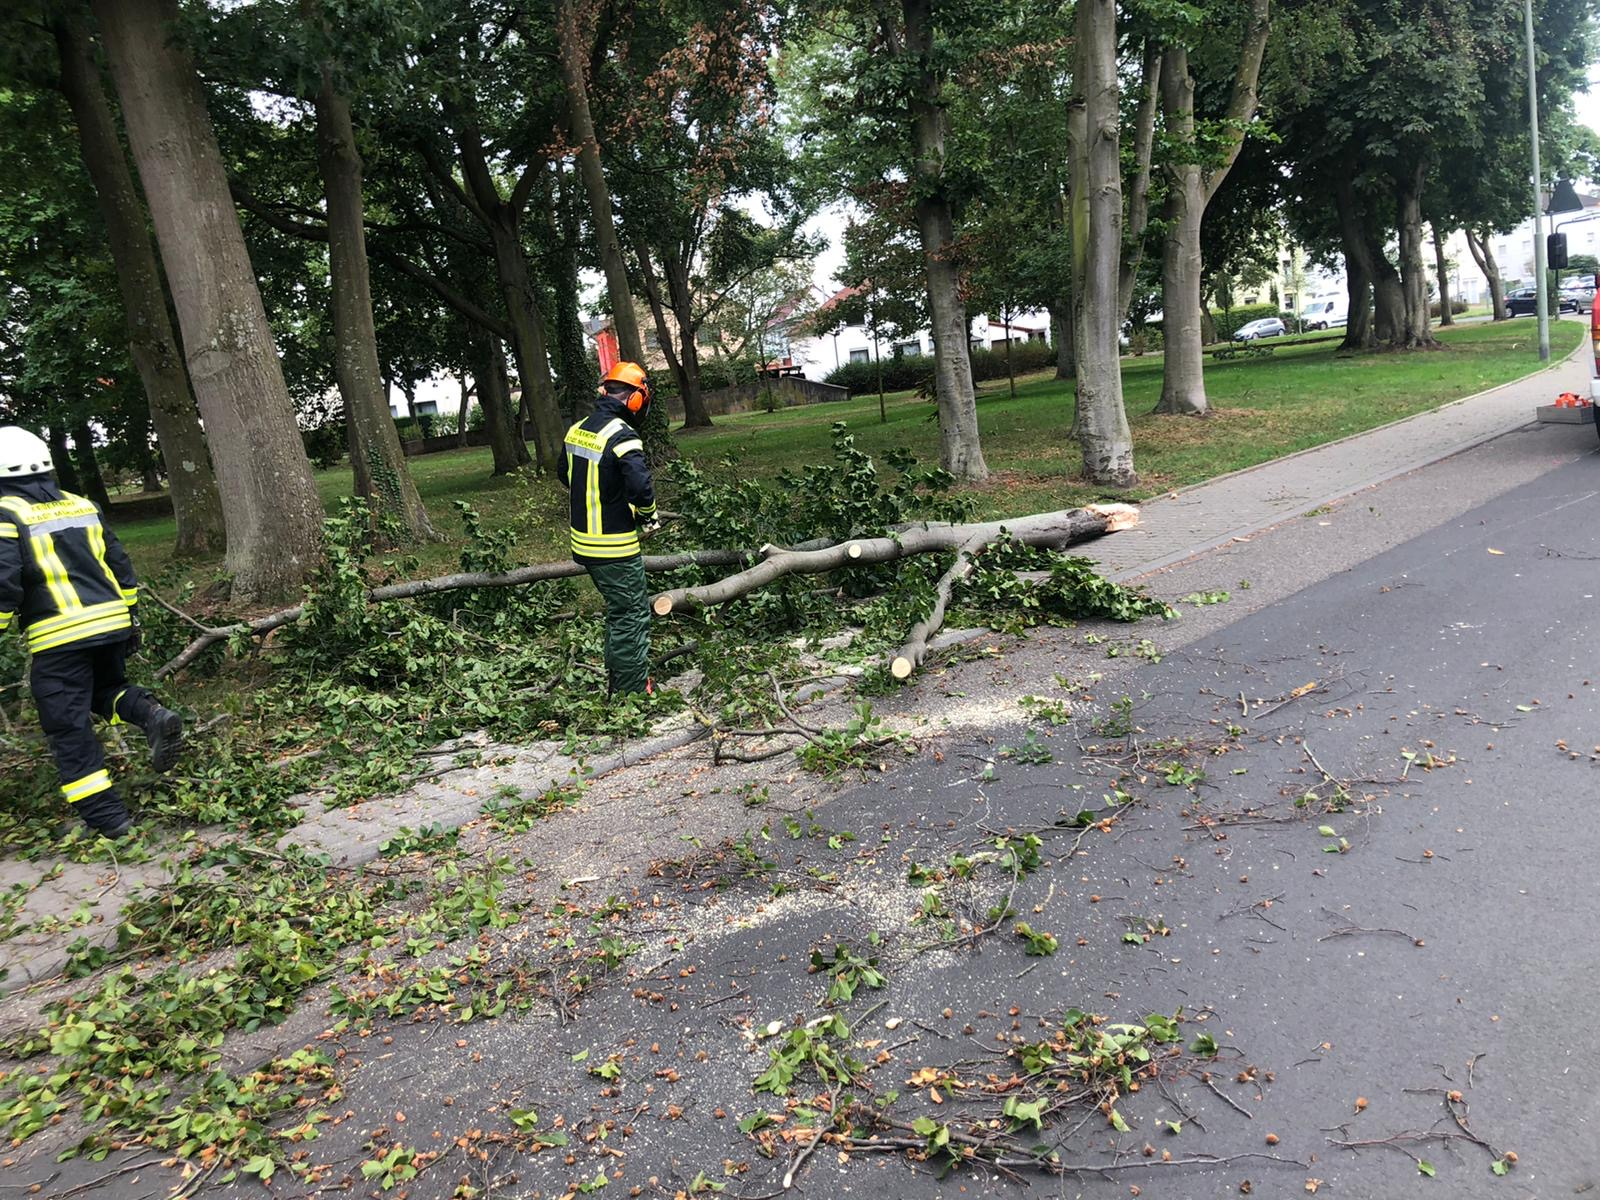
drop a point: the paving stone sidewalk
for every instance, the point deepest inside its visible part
(1213, 513)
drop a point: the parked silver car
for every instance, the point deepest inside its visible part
(1264, 328)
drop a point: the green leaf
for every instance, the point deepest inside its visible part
(1327, 831)
(1204, 1044)
(1173, 1126)
(1499, 1166)
(755, 1121)
(924, 1126)
(1117, 1122)
(1425, 1167)
(260, 1165)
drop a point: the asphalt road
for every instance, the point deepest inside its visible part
(1446, 686)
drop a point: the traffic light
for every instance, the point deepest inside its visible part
(1555, 251)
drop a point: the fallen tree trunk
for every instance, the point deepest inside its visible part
(916, 647)
(1051, 530)
(538, 572)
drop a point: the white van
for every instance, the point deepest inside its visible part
(1329, 313)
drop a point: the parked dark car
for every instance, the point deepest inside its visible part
(1524, 302)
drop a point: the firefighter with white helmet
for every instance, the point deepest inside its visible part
(67, 582)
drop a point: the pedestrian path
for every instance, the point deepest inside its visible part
(1210, 514)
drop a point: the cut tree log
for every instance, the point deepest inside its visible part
(263, 625)
(1051, 530)
(916, 647)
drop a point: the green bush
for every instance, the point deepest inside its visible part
(325, 445)
(1025, 357)
(899, 375)
(909, 373)
(1457, 305)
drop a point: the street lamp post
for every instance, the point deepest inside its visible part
(1541, 298)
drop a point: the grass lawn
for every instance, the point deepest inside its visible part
(1302, 396)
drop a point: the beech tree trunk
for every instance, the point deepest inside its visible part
(959, 450)
(658, 313)
(1483, 255)
(461, 413)
(196, 506)
(1360, 269)
(529, 343)
(1183, 387)
(575, 378)
(1416, 331)
(1096, 200)
(375, 452)
(1189, 189)
(270, 505)
(94, 483)
(575, 38)
(1442, 270)
(1061, 331)
(679, 297)
(61, 460)
(494, 397)
(1144, 136)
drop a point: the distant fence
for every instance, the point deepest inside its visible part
(788, 391)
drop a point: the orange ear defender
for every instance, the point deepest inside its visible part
(632, 375)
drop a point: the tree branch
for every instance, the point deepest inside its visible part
(1242, 102)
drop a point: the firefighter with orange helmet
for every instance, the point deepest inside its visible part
(612, 500)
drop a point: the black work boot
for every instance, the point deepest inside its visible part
(163, 729)
(106, 814)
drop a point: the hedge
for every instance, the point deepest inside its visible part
(904, 374)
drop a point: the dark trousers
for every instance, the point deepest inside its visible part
(622, 586)
(71, 686)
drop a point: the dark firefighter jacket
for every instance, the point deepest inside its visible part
(62, 573)
(604, 468)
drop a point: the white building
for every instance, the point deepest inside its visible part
(816, 356)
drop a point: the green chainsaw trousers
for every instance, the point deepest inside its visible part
(621, 585)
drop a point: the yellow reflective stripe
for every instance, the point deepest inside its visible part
(592, 523)
(9, 531)
(109, 625)
(628, 447)
(607, 551)
(106, 608)
(5, 621)
(55, 573)
(130, 596)
(89, 785)
(97, 547)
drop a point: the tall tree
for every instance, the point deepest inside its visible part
(270, 505)
(196, 506)
(914, 46)
(376, 457)
(1193, 177)
(575, 34)
(1096, 198)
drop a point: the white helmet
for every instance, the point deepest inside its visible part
(22, 454)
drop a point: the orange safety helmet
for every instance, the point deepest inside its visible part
(632, 376)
